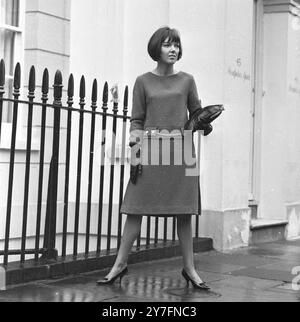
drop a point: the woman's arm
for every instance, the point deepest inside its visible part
(138, 113)
(193, 103)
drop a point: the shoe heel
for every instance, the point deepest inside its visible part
(186, 279)
(123, 273)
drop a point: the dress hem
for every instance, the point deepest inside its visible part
(172, 211)
(159, 215)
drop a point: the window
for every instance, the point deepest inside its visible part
(11, 46)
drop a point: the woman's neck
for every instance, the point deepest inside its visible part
(164, 70)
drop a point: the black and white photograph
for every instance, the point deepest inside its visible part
(149, 154)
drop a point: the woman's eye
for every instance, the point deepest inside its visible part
(169, 44)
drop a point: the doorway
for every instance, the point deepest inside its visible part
(257, 97)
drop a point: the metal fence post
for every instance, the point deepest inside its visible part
(50, 225)
(2, 91)
(16, 95)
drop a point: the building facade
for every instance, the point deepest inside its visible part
(243, 54)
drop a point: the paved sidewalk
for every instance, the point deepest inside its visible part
(260, 273)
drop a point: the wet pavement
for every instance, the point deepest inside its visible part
(263, 273)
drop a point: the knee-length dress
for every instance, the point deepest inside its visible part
(163, 103)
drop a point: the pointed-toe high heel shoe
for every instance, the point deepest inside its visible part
(106, 280)
(200, 286)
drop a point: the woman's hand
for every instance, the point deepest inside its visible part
(135, 162)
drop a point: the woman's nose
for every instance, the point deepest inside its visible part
(173, 47)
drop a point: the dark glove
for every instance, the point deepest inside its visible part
(135, 166)
(201, 126)
(135, 171)
(202, 117)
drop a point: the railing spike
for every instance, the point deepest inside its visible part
(17, 77)
(2, 72)
(31, 85)
(105, 93)
(58, 78)
(82, 88)
(71, 86)
(45, 85)
(95, 91)
(126, 99)
(57, 87)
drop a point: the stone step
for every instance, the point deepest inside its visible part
(267, 230)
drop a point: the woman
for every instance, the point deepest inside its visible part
(161, 99)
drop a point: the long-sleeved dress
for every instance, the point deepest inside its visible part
(162, 102)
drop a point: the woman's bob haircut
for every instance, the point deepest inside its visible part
(160, 35)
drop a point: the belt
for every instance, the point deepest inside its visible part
(150, 131)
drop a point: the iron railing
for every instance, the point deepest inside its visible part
(48, 219)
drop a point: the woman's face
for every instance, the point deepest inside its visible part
(169, 52)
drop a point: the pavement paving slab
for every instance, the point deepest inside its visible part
(259, 273)
(286, 266)
(277, 251)
(150, 286)
(288, 288)
(42, 293)
(216, 267)
(266, 274)
(239, 295)
(235, 258)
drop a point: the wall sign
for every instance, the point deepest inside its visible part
(236, 71)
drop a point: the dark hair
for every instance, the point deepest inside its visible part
(155, 42)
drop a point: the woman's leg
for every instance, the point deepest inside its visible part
(184, 230)
(130, 233)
